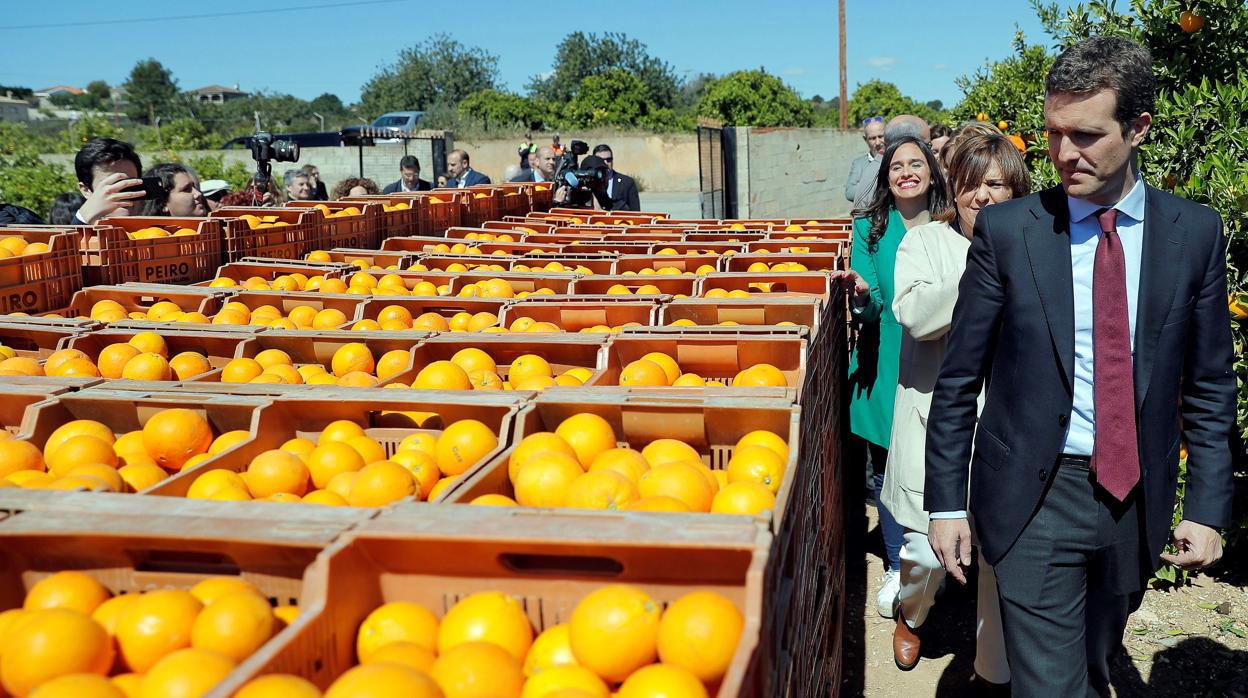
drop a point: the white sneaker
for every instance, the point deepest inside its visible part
(889, 596)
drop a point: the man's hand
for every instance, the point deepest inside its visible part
(951, 541)
(1199, 546)
(561, 194)
(110, 197)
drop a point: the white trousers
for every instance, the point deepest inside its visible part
(921, 576)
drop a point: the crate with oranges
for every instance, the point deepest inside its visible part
(279, 233)
(288, 310)
(321, 358)
(343, 450)
(599, 314)
(140, 302)
(40, 269)
(429, 314)
(363, 259)
(347, 224)
(398, 217)
(505, 362)
(128, 354)
(777, 314)
(532, 607)
(781, 284)
(709, 360)
(155, 249)
(257, 272)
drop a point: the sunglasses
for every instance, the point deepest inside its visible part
(873, 120)
(608, 159)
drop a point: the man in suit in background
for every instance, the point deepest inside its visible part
(1096, 312)
(409, 177)
(620, 188)
(461, 172)
(873, 136)
(543, 169)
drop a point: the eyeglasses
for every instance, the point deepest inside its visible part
(873, 120)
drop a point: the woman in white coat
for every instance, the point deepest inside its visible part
(983, 168)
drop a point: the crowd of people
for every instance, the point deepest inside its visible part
(1027, 369)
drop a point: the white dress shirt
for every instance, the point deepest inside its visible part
(1085, 235)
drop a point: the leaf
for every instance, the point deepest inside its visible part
(1207, 606)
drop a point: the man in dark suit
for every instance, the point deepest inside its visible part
(543, 170)
(1072, 482)
(461, 172)
(409, 179)
(621, 188)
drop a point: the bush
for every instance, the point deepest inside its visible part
(25, 179)
(879, 98)
(754, 98)
(494, 109)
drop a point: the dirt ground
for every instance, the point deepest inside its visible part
(1191, 641)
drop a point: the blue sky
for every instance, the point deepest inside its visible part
(921, 46)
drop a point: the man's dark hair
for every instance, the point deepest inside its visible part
(941, 131)
(1107, 62)
(409, 162)
(103, 151)
(64, 206)
(167, 171)
(602, 148)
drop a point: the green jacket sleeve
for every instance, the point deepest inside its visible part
(863, 262)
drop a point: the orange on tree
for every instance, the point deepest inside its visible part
(614, 631)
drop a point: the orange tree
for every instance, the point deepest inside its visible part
(1198, 148)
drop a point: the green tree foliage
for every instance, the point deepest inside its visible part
(879, 98)
(581, 56)
(440, 70)
(1010, 90)
(614, 98)
(97, 96)
(495, 109)
(25, 179)
(186, 134)
(150, 90)
(18, 92)
(213, 167)
(89, 127)
(754, 98)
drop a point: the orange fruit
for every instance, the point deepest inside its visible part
(234, 625)
(340, 430)
(478, 669)
(157, 623)
(395, 313)
(79, 686)
(241, 370)
(588, 434)
(189, 364)
(341, 484)
(276, 471)
(662, 451)
(681, 481)
(602, 489)
(699, 632)
(147, 367)
(422, 467)
(16, 456)
(662, 681)
(689, 380)
(185, 673)
(107, 613)
(325, 498)
(757, 464)
(80, 450)
(78, 427)
(487, 616)
(279, 686)
(352, 357)
(559, 681)
(494, 500)
(80, 368)
(330, 459)
(533, 383)
(274, 357)
(643, 373)
(432, 322)
(213, 483)
(397, 621)
(140, 476)
(113, 358)
(614, 631)
(328, 319)
(552, 648)
(50, 643)
(354, 379)
(419, 441)
(760, 375)
(228, 440)
(129, 684)
(213, 588)
(384, 680)
(766, 439)
(150, 343)
(300, 447)
(56, 358)
(481, 320)
(545, 479)
(21, 366)
(393, 363)
(381, 483)
(73, 590)
(535, 444)
(496, 288)
(528, 366)
(625, 461)
(174, 435)
(485, 380)
(667, 363)
(439, 488)
(472, 359)
(462, 445)
(442, 375)
(408, 654)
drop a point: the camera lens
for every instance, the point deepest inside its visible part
(285, 151)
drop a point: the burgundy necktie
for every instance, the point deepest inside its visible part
(1115, 452)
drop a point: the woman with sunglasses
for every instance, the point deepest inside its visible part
(908, 192)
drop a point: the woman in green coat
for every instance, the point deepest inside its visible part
(909, 191)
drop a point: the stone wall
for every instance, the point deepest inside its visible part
(794, 172)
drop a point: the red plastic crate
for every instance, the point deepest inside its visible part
(577, 314)
(362, 230)
(670, 285)
(300, 235)
(439, 210)
(402, 220)
(42, 281)
(111, 256)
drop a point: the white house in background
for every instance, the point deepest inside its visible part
(45, 95)
(12, 108)
(217, 94)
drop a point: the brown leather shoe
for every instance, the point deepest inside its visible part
(906, 644)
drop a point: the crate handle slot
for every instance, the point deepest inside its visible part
(185, 562)
(561, 564)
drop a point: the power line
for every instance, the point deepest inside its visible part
(211, 15)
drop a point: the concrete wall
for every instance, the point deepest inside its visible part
(794, 173)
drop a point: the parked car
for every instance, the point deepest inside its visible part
(402, 120)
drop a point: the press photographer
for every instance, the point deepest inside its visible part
(581, 182)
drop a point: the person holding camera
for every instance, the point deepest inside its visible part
(621, 189)
(461, 172)
(543, 169)
(409, 177)
(591, 183)
(178, 194)
(108, 178)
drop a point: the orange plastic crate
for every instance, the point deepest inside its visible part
(670, 285)
(302, 232)
(42, 281)
(361, 230)
(270, 269)
(576, 314)
(141, 297)
(110, 256)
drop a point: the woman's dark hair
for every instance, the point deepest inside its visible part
(167, 171)
(973, 156)
(881, 205)
(103, 151)
(64, 206)
(344, 187)
(941, 131)
(1107, 62)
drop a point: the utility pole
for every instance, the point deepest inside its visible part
(844, 101)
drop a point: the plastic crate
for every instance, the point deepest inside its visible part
(446, 306)
(722, 237)
(349, 304)
(418, 244)
(361, 230)
(35, 341)
(770, 284)
(595, 263)
(375, 259)
(319, 346)
(562, 353)
(515, 197)
(216, 346)
(481, 203)
(613, 248)
(520, 281)
(576, 314)
(656, 262)
(517, 248)
(43, 281)
(111, 256)
(797, 247)
(668, 285)
(518, 225)
(767, 312)
(470, 262)
(401, 218)
(826, 262)
(141, 297)
(16, 400)
(560, 236)
(700, 248)
(386, 416)
(439, 210)
(270, 269)
(300, 235)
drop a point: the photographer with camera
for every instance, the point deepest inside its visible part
(620, 187)
(582, 183)
(108, 178)
(178, 194)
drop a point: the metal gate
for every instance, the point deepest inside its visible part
(716, 146)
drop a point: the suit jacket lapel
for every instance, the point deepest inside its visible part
(1048, 248)
(1162, 253)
